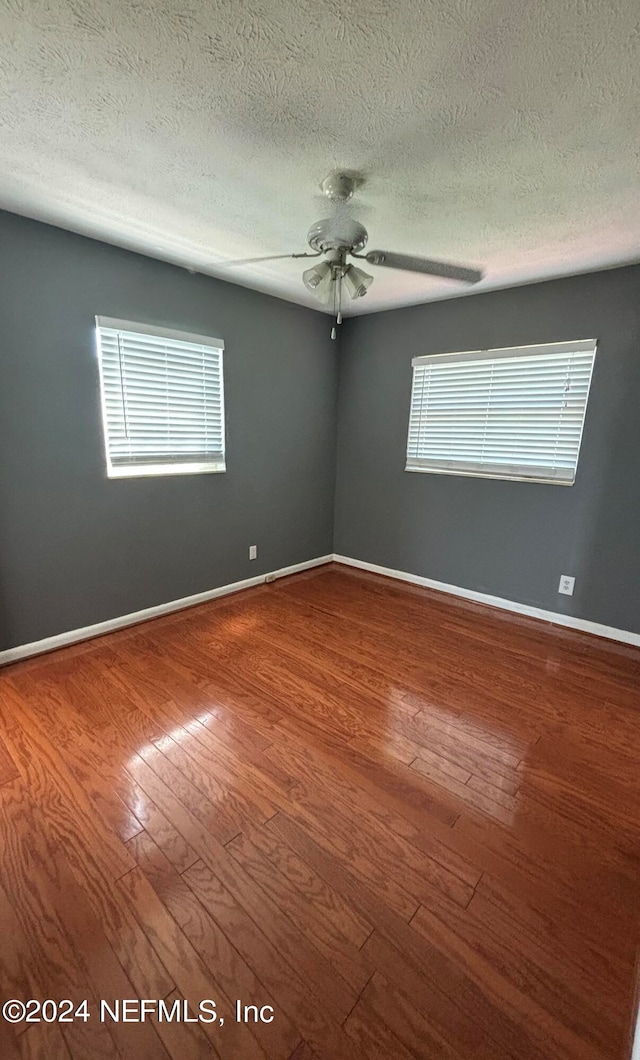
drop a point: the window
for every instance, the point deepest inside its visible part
(162, 400)
(515, 413)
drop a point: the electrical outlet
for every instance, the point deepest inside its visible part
(566, 584)
(253, 551)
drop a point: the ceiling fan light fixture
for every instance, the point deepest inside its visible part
(318, 280)
(357, 281)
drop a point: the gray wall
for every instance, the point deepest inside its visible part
(77, 548)
(510, 539)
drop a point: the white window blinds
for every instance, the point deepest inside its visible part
(513, 413)
(162, 400)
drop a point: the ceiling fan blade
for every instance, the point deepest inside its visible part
(268, 257)
(425, 265)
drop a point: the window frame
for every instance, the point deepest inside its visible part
(133, 470)
(493, 471)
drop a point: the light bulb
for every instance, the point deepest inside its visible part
(357, 281)
(318, 280)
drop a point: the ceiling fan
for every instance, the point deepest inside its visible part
(338, 237)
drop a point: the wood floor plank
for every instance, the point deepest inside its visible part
(413, 1030)
(557, 946)
(101, 791)
(29, 877)
(200, 801)
(303, 1052)
(331, 989)
(345, 958)
(289, 940)
(105, 763)
(47, 774)
(43, 1042)
(464, 1018)
(9, 1043)
(183, 1041)
(511, 993)
(8, 768)
(437, 973)
(376, 855)
(191, 976)
(171, 843)
(18, 965)
(232, 974)
(319, 1023)
(373, 1035)
(101, 966)
(407, 822)
(551, 870)
(431, 764)
(327, 902)
(466, 1022)
(483, 796)
(356, 793)
(245, 789)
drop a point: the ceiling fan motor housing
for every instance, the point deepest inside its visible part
(337, 233)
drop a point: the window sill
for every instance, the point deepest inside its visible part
(154, 470)
(492, 475)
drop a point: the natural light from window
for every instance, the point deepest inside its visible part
(162, 400)
(515, 413)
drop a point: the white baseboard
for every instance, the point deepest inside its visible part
(558, 619)
(73, 636)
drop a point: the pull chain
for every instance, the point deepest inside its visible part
(337, 301)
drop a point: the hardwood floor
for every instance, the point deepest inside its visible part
(407, 823)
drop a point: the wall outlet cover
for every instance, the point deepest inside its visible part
(566, 584)
(253, 551)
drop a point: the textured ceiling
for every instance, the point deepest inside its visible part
(503, 133)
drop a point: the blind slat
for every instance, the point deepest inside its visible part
(163, 401)
(517, 414)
